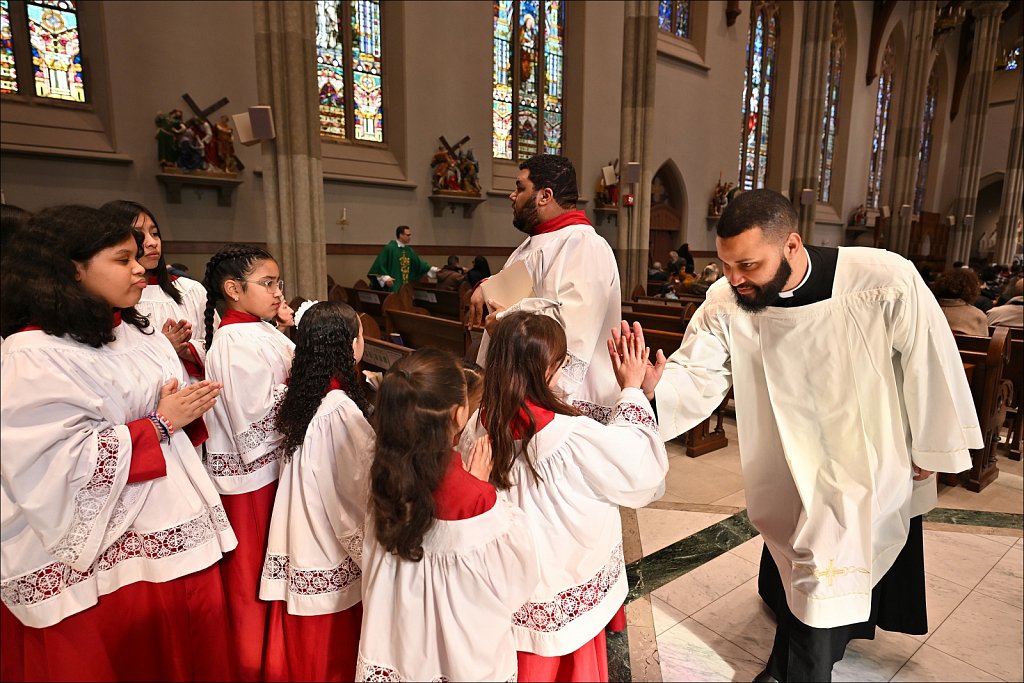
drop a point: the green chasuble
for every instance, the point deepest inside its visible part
(401, 263)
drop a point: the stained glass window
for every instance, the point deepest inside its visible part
(349, 68)
(830, 118)
(8, 72)
(1013, 59)
(56, 59)
(674, 17)
(526, 99)
(883, 105)
(758, 89)
(925, 150)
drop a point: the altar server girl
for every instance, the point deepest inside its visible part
(316, 529)
(445, 563)
(112, 530)
(569, 474)
(252, 360)
(175, 305)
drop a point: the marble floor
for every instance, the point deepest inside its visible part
(694, 613)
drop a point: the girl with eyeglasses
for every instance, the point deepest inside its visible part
(252, 359)
(112, 530)
(175, 305)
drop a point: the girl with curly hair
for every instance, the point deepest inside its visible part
(445, 563)
(252, 360)
(311, 572)
(176, 304)
(113, 531)
(569, 474)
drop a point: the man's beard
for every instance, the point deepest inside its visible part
(526, 219)
(767, 293)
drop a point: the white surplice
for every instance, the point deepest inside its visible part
(253, 360)
(448, 616)
(834, 401)
(158, 306)
(587, 470)
(576, 282)
(73, 528)
(317, 525)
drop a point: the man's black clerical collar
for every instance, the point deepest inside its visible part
(817, 285)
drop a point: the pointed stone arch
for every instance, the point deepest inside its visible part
(668, 211)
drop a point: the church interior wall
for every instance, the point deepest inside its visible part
(447, 90)
(168, 34)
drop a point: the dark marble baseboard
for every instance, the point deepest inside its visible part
(618, 657)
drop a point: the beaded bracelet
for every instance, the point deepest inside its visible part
(162, 424)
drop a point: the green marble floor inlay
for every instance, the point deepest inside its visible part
(618, 657)
(999, 520)
(655, 570)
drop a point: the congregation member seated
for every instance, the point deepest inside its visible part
(707, 278)
(957, 289)
(481, 270)
(451, 274)
(1010, 314)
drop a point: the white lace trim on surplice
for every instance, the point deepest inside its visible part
(311, 581)
(376, 672)
(53, 579)
(91, 500)
(633, 413)
(571, 603)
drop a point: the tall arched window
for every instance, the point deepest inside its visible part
(758, 89)
(830, 122)
(527, 99)
(925, 151)
(349, 70)
(50, 30)
(883, 105)
(674, 17)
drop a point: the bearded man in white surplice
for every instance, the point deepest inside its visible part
(849, 393)
(575, 281)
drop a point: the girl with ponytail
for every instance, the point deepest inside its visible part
(445, 563)
(252, 360)
(311, 573)
(175, 305)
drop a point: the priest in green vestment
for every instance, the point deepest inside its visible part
(397, 263)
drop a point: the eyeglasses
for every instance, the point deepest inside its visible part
(271, 285)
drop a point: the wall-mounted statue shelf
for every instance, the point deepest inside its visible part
(469, 203)
(173, 182)
(602, 212)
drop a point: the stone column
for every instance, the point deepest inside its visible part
(639, 53)
(979, 80)
(293, 182)
(1013, 184)
(814, 63)
(908, 128)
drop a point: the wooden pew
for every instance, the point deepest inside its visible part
(440, 303)
(366, 300)
(419, 331)
(703, 438)
(988, 358)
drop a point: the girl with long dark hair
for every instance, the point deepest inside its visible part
(252, 359)
(174, 304)
(113, 531)
(445, 563)
(569, 474)
(311, 570)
